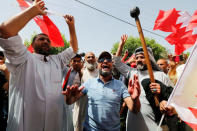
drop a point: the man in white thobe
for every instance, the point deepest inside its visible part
(35, 99)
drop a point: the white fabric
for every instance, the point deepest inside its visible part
(179, 70)
(79, 111)
(184, 19)
(35, 99)
(184, 95)
(145, 119)
(88, 74)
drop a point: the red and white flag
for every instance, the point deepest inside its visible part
(46, 26)
(184, 95)
(182, 26)
(166, 20)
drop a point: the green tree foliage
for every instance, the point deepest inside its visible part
(54, 50)
(132, 43)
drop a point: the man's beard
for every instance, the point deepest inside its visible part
(105, 73)
(43, 51)
(90, 66)
(141, 66)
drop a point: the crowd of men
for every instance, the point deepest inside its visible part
(66, 92)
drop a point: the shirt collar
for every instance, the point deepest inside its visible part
(99, 80)
(41, 57)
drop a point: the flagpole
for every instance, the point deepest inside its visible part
(158, 128)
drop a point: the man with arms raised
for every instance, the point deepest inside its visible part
(35, 99)
(149, 115)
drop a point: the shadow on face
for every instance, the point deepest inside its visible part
(42, 44)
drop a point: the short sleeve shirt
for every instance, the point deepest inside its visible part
(104, 104)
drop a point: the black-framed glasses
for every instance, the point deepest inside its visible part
(103, 59)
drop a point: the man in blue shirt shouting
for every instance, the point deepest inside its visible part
(104, 95)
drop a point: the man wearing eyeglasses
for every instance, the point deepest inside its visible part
(104, 94)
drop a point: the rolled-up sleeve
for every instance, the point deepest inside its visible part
(125, 92)
(14, 50)
(66, 55)
(122, 68)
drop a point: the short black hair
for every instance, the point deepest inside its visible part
(34, 38)
(77, 56)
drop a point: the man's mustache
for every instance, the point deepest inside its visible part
(140, 63)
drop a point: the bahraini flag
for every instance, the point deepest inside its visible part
(184, 95)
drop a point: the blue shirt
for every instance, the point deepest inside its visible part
(104, 104)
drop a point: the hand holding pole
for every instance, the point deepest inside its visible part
(135, 13)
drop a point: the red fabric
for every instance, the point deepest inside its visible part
(166, 20)
(47, 27)
(30, 48)
(194, 111)
(124, 57)
(53, 32)
(193, 21)
(193, 126)
(22, 4)
(66, 78)
(182, 40)
(131, 57)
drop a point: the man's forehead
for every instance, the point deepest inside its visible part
(162, 61)
(90, 54)
(139, 54)
(42, 35)
(76, 58)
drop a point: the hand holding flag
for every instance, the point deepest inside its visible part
(44, 22)
(40, 7)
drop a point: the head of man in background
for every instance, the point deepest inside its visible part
(76, 63)
(90, 61)
(141, 62)
(163, 65)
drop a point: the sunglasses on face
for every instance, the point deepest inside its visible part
(103, 59)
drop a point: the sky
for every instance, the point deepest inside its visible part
(96, 31)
